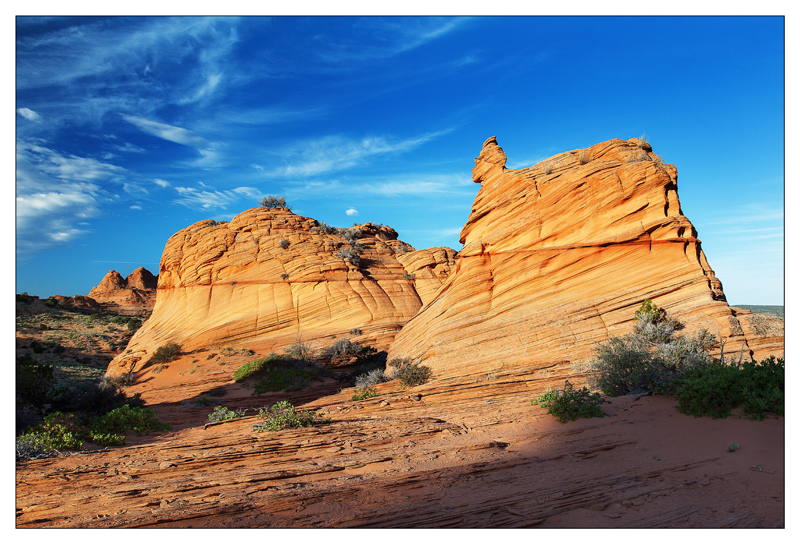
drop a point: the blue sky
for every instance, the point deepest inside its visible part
(130, 129)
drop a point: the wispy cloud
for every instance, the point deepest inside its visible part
(380, 38)
(161, 182)
(55, 194)
(421, 185)
(351, 211)
(208, 199)
(28, 114)
(336, 153)
(178, 135)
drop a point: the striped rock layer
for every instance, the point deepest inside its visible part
(559, 256)
(270, 277)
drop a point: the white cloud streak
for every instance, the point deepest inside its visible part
(337, 153)
(200, 199)
(28, 114)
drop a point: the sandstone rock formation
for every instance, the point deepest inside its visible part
(560, 255)
(270, 277)
(134, 294)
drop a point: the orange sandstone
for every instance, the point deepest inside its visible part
(269, 278)
(560, 255)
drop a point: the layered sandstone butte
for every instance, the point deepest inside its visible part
(133, 294)
(270, 277)
(560, 255)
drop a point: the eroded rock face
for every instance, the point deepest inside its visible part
(134, 294)
(269, 278)
(560, 255)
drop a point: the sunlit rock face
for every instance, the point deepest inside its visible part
(271, 277)
(560, 255)
(134, 294)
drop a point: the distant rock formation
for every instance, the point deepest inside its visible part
(134, 294)
(560, 255)
(270, 277)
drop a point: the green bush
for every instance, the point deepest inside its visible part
(273, 202)
(124, 419)
(410, 374)
(284, 379)
(34, 382)
(166, 354)
(716, 389)
(569, 404)
(282, 415)
(134, 324)
(61, 432)
(363, 393)
(342, 348)
(278, 373)
(651, 358)
(221, 413)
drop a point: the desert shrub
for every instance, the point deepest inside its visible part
(33, 446)
(134, 324)
(34, 382)
(166, 353)
(42, 327)
(110, 428)
(569, 403)
(51, 302)
(356, 332)
(92, 398)
(584, 156)
(717, 389)
(278, 373)
(351, 235)
(273, 201)
(247, 370)
(349, 254)
(284, 276)
(284, 379)
(650, 359)
(324, 228)
(221, 413)
(363, 393)
(410, 374)
(341, 349)
(373, 377)
(58, 432)
(283, 243)
(283, 415)
(120, 380)
(407, 276)
(547, 167)
(37, 347)
(301, 350)
(642, 141)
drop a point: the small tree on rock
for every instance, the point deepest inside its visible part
(273, 201)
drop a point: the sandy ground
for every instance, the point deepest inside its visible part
(471, 454)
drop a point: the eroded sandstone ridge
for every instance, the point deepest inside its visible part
(560, 255)
(270, 277)
(133, 294)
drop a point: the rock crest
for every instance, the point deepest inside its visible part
(560, 255)
(270, 277)
(132, 295)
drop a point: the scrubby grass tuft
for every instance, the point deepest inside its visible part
(282, 415)
(569, 404)
(410, 374)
